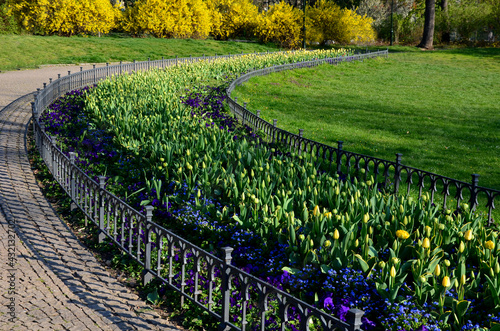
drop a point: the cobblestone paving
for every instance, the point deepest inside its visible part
(48, 279)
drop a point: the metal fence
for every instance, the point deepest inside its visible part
(393, 176)
(235, 298)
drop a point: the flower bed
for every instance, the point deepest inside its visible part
(329, 239)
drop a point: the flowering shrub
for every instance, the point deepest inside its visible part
(167, 19)
(327, 21)
(233, 18)
(281, 24)
(65, 17)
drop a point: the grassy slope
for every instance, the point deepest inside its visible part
(440, 109)
(27, 51)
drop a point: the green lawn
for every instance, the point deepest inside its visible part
(440, 109)
(27, 51)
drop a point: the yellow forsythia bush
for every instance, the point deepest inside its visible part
(233, 18)
(281, 24)
(327, 21)
(65, 17)
(167, 19)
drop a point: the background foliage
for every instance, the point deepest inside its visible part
(64, 17)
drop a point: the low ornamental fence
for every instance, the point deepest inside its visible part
(238, 300)
(392, 175)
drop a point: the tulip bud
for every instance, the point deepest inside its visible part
(356, 243)
(492, 273)
(198, 194)
(301, 237)
(468, 235)
(336, 234)
(395, 260)
(461, 248)
(381, 264)
(401, 209)
(437, 270)
(426, 243)
(395, 245)
(462, 280)
(447, 263)
(393, 272)
(328, 243)
(446, 281)
(370, 230)
(311, 242)
(428, 230)
(316, 211)
(366, 217)
(405, 220)
(497, 267)
(423, 279)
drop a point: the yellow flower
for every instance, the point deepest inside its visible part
(316, 211)
(328, 243)
(489, 245)
(461, 248)
(468, 235)
(336, 234)
(393, 272)
(446, 281)
(437, 270)
(426, 243)
(402, 234)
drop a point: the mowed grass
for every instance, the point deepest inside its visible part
(440, 109)
(28, 51)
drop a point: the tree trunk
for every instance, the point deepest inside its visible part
(430, 14)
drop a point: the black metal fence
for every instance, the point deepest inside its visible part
(392, 175)
(235, 298)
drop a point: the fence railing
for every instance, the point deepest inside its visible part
(392, 175)
(237, 299)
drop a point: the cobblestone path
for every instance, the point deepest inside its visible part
(48, 279)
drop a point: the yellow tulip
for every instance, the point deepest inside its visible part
(446, 281)
(437, 270)
(336, 234)
(393, 272)
(489, 245)
(426, 243)
(468, 235)
(461, 248)
(402, 234)
(328, 243)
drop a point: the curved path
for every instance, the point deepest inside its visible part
(48, 279)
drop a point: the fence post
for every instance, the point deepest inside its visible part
(226, 289)
(102, 235)
(258, 113)
(147, 276)
(473, 192)
(94, 72)
(107, 69)
(42, 148)
(59, 85)
(72, 157)
(275, 124)
(244, 113)
(354, 319)
(301, 134)
(121, 67)
(53, 156)
(135, 65)
(397, 174)
(81, 76)
(339, 156)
